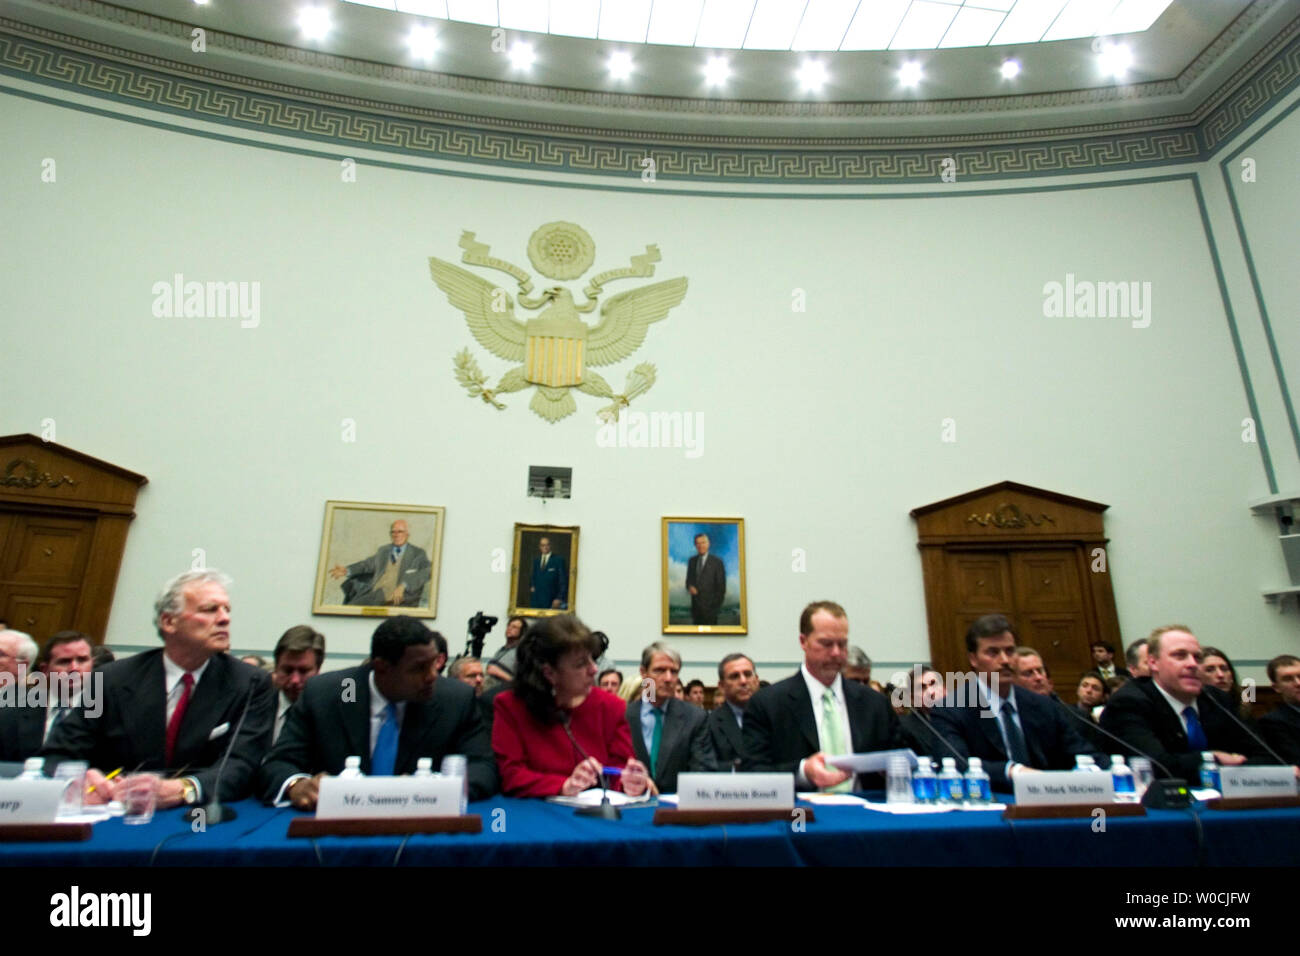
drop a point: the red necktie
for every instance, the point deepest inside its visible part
(174, 725)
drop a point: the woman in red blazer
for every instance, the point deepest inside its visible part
(554, 730)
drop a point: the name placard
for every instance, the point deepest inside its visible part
(30, 801)
(1257, 782)
(735, 791)
(1063, 788)
(360, 798)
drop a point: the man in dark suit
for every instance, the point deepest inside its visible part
(706, 580)
(737, 682)
(1172, 717)
(795, 724)
(1281, 727)
(177, 709)
(63, 665)
(389, 712)
(668, 735)
(395, 575)
(1009, 728)
(549, 584)
(1104, 666)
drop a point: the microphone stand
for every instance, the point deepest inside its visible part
(214, 811)
(603, 810)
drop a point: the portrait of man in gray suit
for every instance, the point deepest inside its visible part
(395, 575)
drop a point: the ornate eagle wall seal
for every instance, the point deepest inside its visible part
(556, 347)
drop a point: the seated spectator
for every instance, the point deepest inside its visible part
(467, 670)
(632, 688)
(1032, 673)
(1281, 727)
(256, 660)
(914, 723)
(610, 681)
(64, 661)
(1217, 671)
(552, 732)
(1092, 694)
(100, 655)
(500, 668)
(737, 683)
(695, 693)
(1103, 659)
(299, 654)
(17, 652)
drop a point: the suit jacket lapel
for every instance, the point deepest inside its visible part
(203, 712)
(989, 726)
(730, 727)
(674, 719)
(419, 720)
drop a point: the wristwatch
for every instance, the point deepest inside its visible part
(189, 792)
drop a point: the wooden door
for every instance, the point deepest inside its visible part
(1051, 614)
(42, 565)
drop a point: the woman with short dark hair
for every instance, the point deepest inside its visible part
(554, 730)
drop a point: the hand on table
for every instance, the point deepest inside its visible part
(820, 774)
(584, 777)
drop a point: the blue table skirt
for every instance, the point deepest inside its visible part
(535, 833)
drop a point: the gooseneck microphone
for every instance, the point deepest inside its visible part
(214, 811)
(605, 810)
(962, 761)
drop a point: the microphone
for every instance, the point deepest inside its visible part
(962, 761)
(214, 811)
(1244, 726)
(605, 810)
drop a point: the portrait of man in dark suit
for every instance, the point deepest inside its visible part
(704, 575)
(545, 565)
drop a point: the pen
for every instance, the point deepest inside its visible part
(611, 771)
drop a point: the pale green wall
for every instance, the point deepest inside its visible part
(822, 428)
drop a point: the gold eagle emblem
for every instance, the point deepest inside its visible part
(557, 348)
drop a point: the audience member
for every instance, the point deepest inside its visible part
(389, 711)
(1025, 732)
(1091, 697)
(1103, 659)
(1281, 727)
(1216, 670)
(1136, 657)
(100, 655)
(669, 735)
(795, 724)
(64, 661)
(1172, 716)
(1031, 672)
(176, 707)
(737, 683)
(501, 665)
(610, 680)
(299, 654)
(695, 693)
(256, 660)
(633, 687)
(923, 693)
(17, 652)
(467, 670)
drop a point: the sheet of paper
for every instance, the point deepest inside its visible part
(904, 809)
(833, 799)
(591, 798)
(877, 762)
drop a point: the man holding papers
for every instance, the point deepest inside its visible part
(795, 724)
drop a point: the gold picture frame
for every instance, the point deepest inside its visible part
(357, 575)
(719, 605)
(537, 591)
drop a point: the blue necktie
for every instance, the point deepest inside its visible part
(1196, 738)
(384, 759)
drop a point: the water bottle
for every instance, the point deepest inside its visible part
(898, 782)
(1125, 785)
(33, 769)
(951, 791)
(352, 767)
(924, 785)
(456, 765)
(424, 767)
(978, 791)
(1209, 772)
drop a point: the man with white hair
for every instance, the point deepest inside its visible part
(180, 708)
(17, 651)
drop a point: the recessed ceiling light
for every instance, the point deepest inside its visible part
(619, 65)
(717, 70)
(1114, 59)
(422, 42)
(909, 74)
(812, 75)
(522, 56)
(314, 22)
(1010, 69)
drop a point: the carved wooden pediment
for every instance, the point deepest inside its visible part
(1009, 510)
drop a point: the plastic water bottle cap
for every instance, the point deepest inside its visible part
(34, 765)
(424, 763)
(1116, 760)
(352, 762)
(1207, 756)
(949, 763)
(975, 763)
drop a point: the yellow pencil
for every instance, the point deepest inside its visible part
(107, 778)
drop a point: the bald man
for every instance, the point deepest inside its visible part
(395, 576)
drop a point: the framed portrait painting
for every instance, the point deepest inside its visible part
(703, 582)
(544, 571)
(379, 560)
